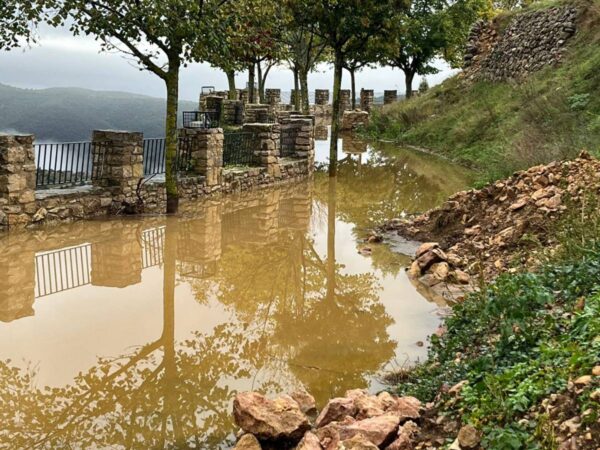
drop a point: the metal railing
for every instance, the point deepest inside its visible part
(155, 151)
(153, 241)
(238, 149)
(61, 270)
(69, 163)
(201, 119)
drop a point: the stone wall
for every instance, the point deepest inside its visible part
(529, 42)
(258, 113)
(232, 112)
(122, 187)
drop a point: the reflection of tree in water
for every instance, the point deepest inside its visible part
(300, 320)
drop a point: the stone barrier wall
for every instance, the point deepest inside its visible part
(122, 187)
(529, 42)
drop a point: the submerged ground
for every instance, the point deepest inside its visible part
(137, 332)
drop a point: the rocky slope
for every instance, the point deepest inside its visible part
(477, 234)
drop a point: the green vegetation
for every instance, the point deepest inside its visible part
(521, 339)
(502, 127)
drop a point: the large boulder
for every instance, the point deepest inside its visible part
(406, 408)
(335, 410)
(305, 401)
(366, 405)
(248, 442)
(357, 442)
(380, 430)
(270, 420)
(310, 441)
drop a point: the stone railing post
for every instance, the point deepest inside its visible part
(367, 98)
(267, 137)
(206, 152)
(345, 100)
(304, 144)
(17, 179)
(273, 96)
(118, 162)
(390, 97)
(321, 96)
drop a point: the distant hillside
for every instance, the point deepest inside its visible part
(70, 114)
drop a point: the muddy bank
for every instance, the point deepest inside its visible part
(476, 235)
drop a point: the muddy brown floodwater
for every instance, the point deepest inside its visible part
(138, 332)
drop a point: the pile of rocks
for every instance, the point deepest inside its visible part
(480, 233)
(530, 42)
(356, 421)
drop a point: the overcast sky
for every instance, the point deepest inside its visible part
(61, 60)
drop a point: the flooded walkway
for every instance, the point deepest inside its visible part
(138, 332)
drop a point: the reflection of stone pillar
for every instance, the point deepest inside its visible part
(390, 97)
(200, 238)
(17, 180)
(321, 133)
(206, 152)
(266, 145)
(353, 145)
(266, 216)
(17, 283)
(122, 163)
(117, 262)
(321, 96)
(354, 119)
(300, 205)
(345, 100)
(367, 98)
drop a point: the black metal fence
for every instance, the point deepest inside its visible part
(155, 151)
(238, 149)
(201, 119)
(69, 163)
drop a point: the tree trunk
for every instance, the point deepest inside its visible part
(353, 79)
(303, 75)
(296, 89)
(261, 86)
(335, 120)
(251, 80)
(231, 83)
(172, 82)
(409, 76)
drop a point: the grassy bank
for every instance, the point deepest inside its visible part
(520, 345)
(502, 127)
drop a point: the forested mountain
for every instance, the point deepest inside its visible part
(70, 114)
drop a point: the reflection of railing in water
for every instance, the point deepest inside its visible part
(62, 270)
(152, 247)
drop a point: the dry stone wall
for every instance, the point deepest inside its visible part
(529, 42)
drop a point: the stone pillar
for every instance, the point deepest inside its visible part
(304, 144)
(367, 98)
(232, 112)
(266, 144)
(258, 113)
(273, 96)
(206, 146)
(117, 262)
(244, 96)
(321, 96)
(118, 162)
(17, 180)
(345, 100)
(390, 97)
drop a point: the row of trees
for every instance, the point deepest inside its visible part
(255, 36)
